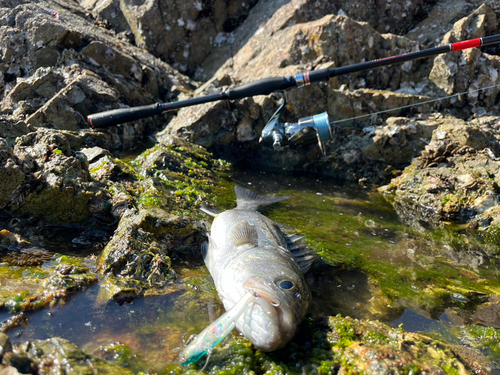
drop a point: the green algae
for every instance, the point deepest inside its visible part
(486, 339)
(363, 234)
(121, 355)
(177, 178)
(27, 288)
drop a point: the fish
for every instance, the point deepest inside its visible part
(249, 253)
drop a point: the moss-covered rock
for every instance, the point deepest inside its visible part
(455, 179)
(166, 183)
(46, 178)
(56, 355)
(363, 347)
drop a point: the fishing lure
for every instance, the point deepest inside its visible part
(204, 342)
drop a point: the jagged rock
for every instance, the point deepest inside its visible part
(441, 17)
(57, 68)
(342, 41)
(217, 125)
(455, 178)
(393, 350)
(45, 177)
(5, 345)
(136, 259)
(393, 17)
(344, 104)
(181, 33)
(398, 140)
(54, 355)
(470, 69)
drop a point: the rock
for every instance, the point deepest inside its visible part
(399, 139)
(53, 70)
(389, 349)
(454, 178)
(440, 20)
(95, 153)
(47, 178)
(488, 314)
(216, 125)
(470, 69)
(167, 179)
(300, 48)
(136, 258)
(5, 345)
(70, 278)
(55, 355)
(182, 34)
(393, 17)
(9, 370)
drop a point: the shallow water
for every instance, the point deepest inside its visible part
(374, 267)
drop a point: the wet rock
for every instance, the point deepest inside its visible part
(28, 256)
(488, 314)
(373, 347)
(455, 177)
(133, 260)
(5, 345)
(55, 179)
(70, 278)
(168, 179)
(21, 363)
(56, 355)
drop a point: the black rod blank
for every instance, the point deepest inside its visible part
(268, 85)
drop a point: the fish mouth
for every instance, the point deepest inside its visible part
(264, 332)
(263, 291)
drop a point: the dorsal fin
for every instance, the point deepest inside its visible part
(283, 227)
(302, 253)
(242, 233)
(248, 200)
(209, 211)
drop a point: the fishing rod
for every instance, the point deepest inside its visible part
(268, 85)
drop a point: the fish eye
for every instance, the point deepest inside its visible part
(286, 284)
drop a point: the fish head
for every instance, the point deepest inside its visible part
(281, 301)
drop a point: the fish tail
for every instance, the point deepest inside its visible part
(248, 200)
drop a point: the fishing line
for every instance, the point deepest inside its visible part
(413, 105)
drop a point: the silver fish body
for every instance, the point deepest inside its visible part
(249, 252)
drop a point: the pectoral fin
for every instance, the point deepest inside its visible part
(242, 233)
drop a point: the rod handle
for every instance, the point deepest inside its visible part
(263, 86)
(121, 115)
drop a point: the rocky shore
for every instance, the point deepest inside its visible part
(117, 207)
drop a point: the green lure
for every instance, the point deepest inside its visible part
(214, 333)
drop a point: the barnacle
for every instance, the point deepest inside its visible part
(31, 256)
